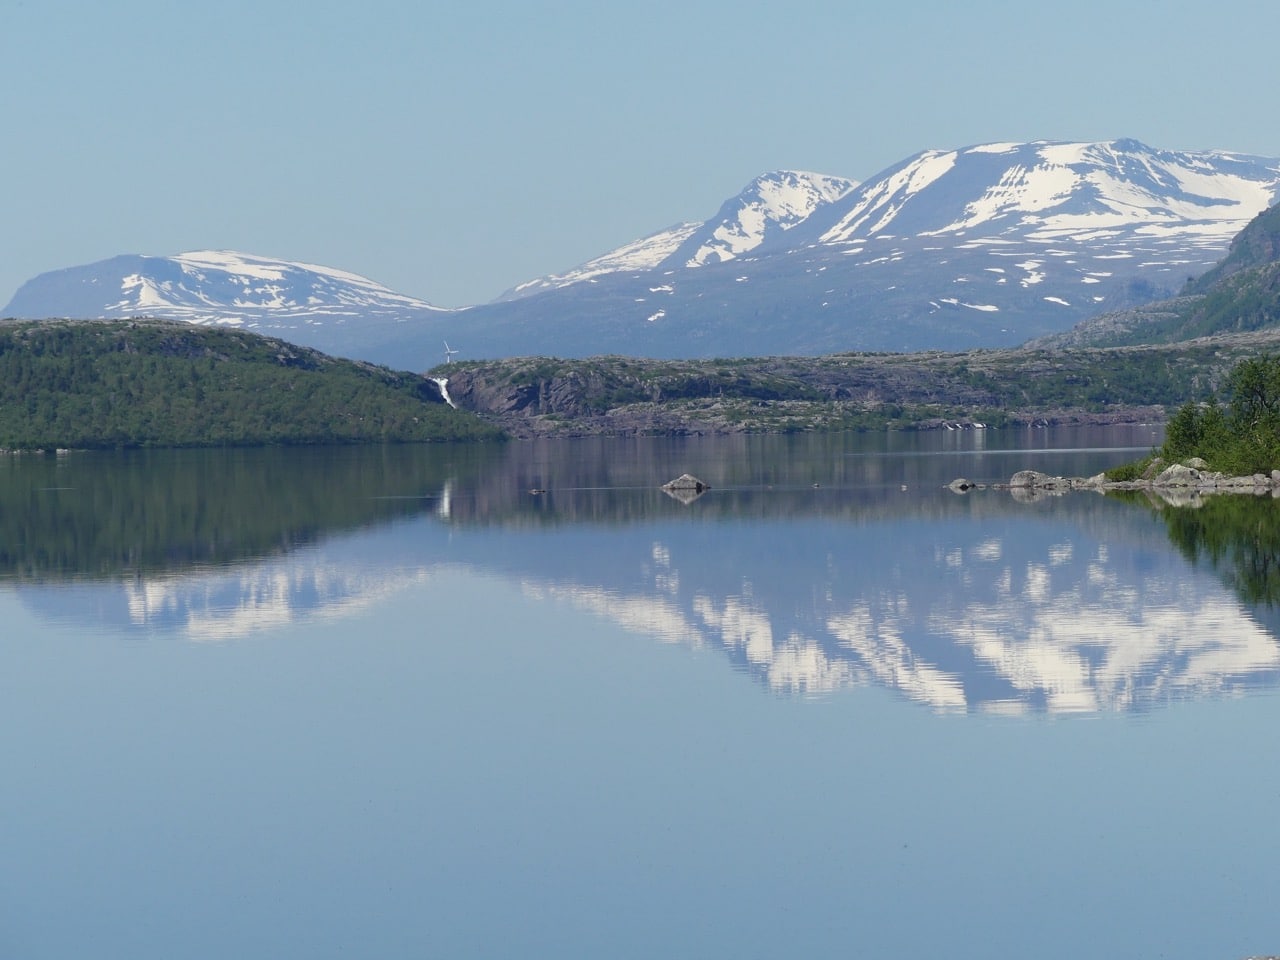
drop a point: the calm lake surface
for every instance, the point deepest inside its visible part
(393, 703)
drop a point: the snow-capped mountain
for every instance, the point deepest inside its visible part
(646, 253)
(988, 245)
(770, 204)
(984, 246)
(318, 306)
(1061, 191)
(208, 286)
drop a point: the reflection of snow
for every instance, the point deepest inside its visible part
(1006, 630)
(236, 603)
(995, 621)
(891, 660)
(797, 664)
(658, 618)
(1108, 644)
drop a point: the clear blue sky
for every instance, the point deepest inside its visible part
(452, 150)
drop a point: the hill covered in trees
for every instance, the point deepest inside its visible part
(152, 383)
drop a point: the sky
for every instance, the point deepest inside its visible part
(451, 150)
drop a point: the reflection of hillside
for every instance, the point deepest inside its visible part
(123, 514)
(597, 480)
(1237, 536)
(128, 514)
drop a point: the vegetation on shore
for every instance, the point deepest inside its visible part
(1242, 437)
(153, 383)
(146, 383)
(1239, 437)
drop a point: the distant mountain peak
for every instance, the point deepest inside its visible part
(205, 286)
(986, 245)
(990, 244)
(333, 310)
(639, 255)
(769, 204)
(1051, 189)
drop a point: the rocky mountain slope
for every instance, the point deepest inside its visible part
(1241, 293)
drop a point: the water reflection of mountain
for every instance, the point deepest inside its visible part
(1077, 603)
(232, 602)
(1078, 608)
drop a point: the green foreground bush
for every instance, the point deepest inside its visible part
(1240, 438)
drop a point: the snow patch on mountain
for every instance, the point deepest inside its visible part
(1050, 191)
(209, 286)
(878, 204)
(778, 200)
(769, 205)
(266, 283)
(644, 254)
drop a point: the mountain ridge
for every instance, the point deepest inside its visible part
(989, 245)
(984, 246)
(770, 204)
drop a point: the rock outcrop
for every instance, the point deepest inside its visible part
(1181, 484)
(686, 488)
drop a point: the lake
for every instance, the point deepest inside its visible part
(500, 701)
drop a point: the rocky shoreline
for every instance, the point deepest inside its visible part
(1180, 484)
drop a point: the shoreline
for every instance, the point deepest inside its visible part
(1177, 484)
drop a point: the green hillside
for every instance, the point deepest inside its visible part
(150, 383)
